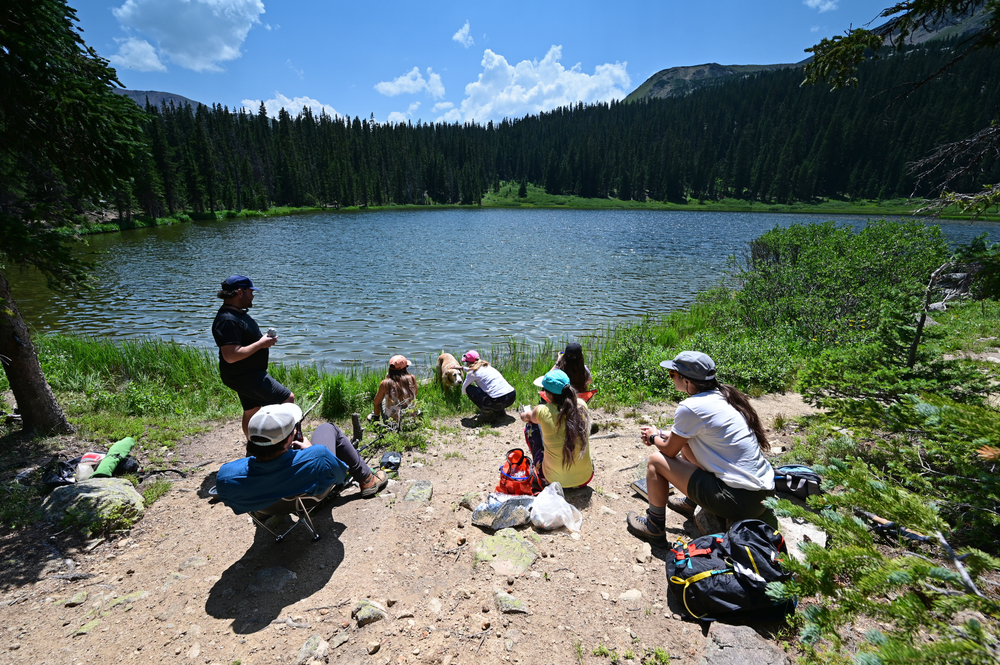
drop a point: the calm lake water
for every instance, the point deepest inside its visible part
(349, 287)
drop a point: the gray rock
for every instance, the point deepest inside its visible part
(507, 552)
(95, 505)
(631, 599)
(421, 490)
(937, 307)
(501, 511)
(367, 611)
(270, 580)
(78, 599)
(796, 533)
(708, 523)
(314, 649)
(470, 500)
(644, 553)
(341, 639)
(737, 645)
(508, 604)
(193, 562)
(373, 648)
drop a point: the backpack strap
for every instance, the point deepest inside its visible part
(693, 579)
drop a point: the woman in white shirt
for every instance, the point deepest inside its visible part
(486, 387)
(713, 453)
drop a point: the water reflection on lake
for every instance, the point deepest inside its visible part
(353, 287)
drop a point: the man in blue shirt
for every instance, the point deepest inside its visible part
(277, 466)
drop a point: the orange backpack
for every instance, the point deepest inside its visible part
(515, 474)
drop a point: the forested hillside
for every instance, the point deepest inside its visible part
(761, 138)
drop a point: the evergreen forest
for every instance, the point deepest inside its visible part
(762, 138)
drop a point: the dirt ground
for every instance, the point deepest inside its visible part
(183, 585)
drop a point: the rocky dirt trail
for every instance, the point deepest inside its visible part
(194, 583)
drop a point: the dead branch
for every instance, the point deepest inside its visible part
(966, 579)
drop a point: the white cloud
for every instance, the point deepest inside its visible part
(512, 91)
(397, 117)
(195, 34)
(821, 5)
(300, 72)
(815, 28)
(463, 37)
(441, 106)
(293, 106)
(137, 54)
(413, 82)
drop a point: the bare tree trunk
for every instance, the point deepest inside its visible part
(40, 413)
(911, 357)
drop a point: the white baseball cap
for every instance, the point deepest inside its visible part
(273, 423)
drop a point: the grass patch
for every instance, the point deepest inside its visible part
(154, 491)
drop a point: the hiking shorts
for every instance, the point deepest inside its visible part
(257, 389)
(733, 503)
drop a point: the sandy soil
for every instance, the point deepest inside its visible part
(179, 587)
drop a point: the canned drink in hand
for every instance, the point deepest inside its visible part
(271, 332)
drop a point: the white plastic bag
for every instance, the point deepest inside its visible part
(551, 511)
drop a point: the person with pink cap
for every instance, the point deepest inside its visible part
(397, 390)
(486, 387)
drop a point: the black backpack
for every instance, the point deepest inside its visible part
(797, 480)
(726, 575)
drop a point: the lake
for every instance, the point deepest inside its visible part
(359, 287)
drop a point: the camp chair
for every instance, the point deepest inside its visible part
(300, 506)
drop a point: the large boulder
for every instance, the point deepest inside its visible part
(95, 505)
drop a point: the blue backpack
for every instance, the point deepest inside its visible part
(797, 480)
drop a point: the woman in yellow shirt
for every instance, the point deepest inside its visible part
(564, 456)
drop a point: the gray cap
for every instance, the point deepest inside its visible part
(272, 424)
(693, 365)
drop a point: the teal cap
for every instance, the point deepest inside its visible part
(555, 381)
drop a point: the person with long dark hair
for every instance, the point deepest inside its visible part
(396, 391)
(713, 453)
(564, 453)
(571, 362)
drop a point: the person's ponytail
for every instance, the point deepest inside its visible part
(575, 422)
(741, 403)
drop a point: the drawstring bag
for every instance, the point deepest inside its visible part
(515, 474)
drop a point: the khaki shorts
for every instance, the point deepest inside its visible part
(733, 503)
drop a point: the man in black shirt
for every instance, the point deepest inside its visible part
(243, 350)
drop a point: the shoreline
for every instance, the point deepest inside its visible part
(541, 201)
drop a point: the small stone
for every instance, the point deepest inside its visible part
(510, 581)
(193, 562)
(605, 595)
(639, 570)
(607, 511)
(508, 604)
(574, 536)
(14, 647)
(421, 490)
(631, 598)
(389, 602)
(324, 611)
(486, 608)
(78, 599)
(314, 648)
(367, 611)
(644, 553)
(373, 647)
(461, 540)
(486, 625)
(194, 651)
(339, 640)
(434, 605)
(675, 616)
(508, 644)
(470, 500)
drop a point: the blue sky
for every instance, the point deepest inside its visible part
(438, 61)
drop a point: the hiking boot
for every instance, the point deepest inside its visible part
(642, 527)
(710, 523)
(376, 482)
(681, 504)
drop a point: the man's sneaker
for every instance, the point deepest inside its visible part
(681, 504)
(375, 483)
(642, 527)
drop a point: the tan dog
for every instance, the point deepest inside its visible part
(449, 371)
